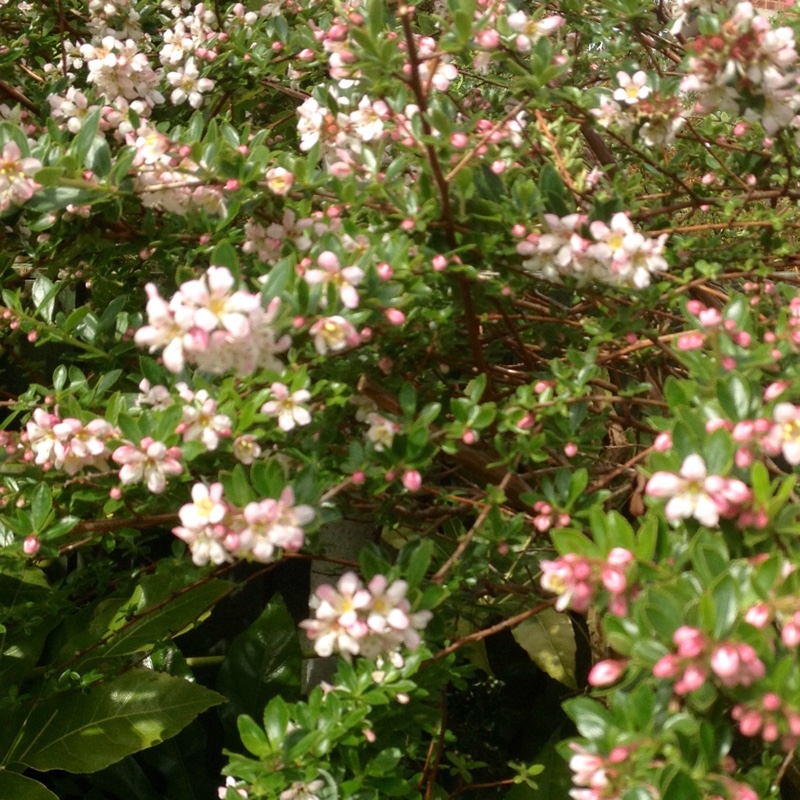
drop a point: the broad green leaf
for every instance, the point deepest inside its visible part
(549, 639)
(87, 731)
(16, 786)
(262, 662)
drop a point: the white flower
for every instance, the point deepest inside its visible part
(287, 407)
(188, 85)
(632, 88)
(688, 492)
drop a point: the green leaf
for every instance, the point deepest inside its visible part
(262, 662)
(253, 738)
(87, 731)
(41, 506)
(163, 608)
(44, 295)
(12, 784)
(549, 639)
(591, 718)
(86, 135)
(225, 255)
(554, 192)
(408, 399)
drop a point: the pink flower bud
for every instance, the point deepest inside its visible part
(412, 480)
(570, 449)
(31, 545)
(663, 442)
(358, 477)
(605, 673)
(394, 316)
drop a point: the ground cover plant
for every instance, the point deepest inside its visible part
(476, 322)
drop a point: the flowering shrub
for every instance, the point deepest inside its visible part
(476, 322)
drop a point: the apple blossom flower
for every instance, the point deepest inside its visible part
(302, 791)
(16, 183)
(287, 407)
(330, 271)
(151, 461)
(784, 435)
(632, 88)
(201, 422)
(333, 334)
(246, 449)
(188, 85)
(687, 492)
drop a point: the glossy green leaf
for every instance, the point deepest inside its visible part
(262, 662)
(85, 732)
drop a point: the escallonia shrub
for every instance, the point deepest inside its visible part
(399, 400)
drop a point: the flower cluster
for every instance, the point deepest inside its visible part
(353, 620)
(576, 580)
(695, 493)
(733, 664)
(601, 777)
(68, 444)
(118, 69)
(772, 717)
(217, 531)
(746, 57)
(209, 323)
(634, 105)
(548, 517)
(615, 254)
(166, 178)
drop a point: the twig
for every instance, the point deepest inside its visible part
(464, 543)
(478, 636)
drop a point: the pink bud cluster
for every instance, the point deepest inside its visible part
(695, 493)
(548, 517)
(217, 531)
(373, 621)
(600, 777)
(772, 717)
(576, 580)
(733, 664)
(209, 323)
(614, 253)
(762, 614)
(711, 322)
(67, 444)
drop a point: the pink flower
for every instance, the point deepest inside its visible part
(287, 407)
(784, 436)
(333, 334)
(152, 462)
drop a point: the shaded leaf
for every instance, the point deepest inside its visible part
(549, 639)
(12, 784)
(85, 732)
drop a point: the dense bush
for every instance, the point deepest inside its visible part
(476, 321)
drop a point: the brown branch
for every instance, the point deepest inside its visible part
(478, 636)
